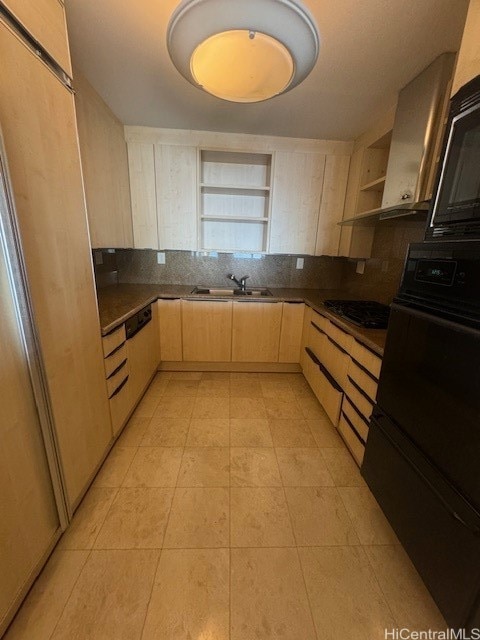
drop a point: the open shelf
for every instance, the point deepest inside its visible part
(234, 218)
(374, 185)
(228, 188)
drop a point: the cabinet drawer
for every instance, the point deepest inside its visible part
(113, 340)
(116, 380)
(364, 379)
(343, 339)
(356, 447)
(359, 422)
(113, 361)
(318, 319)
(358, 398)
(332, 355)
(366, 358)
(327, 391)
(120, 406)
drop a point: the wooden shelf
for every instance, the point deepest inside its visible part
(234, 218)
(364, 217)
(375, 185)
(226, 188)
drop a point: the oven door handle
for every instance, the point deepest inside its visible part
(430, 316)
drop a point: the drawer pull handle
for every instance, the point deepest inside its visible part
(360, 390)
(347, 420)
(335, 344)
(367, 348)
(115, 350)
(119, 388)
(317, 328)
(324, 370)
(357, 411)
(115, 371)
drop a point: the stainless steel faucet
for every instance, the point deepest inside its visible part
(241, 284)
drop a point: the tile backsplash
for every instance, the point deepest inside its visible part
(379, 281)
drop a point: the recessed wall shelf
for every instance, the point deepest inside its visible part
(375, 185)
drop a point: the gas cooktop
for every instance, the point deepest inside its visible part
(363, 313)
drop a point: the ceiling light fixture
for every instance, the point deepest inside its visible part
(243, 50)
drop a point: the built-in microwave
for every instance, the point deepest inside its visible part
(455, 207)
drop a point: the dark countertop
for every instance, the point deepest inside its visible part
(119, 302)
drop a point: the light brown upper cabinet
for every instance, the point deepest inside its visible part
(207, 330)
(256, 331)
(176, 182)
(45, 21)
(468, 61)
(143, 194)
(332, 205)
(296, 194)
(105, 169)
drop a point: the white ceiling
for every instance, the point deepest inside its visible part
(369, 50)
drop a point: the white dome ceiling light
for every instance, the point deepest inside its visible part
(243, 50)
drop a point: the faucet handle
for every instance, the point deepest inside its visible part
(244, 278)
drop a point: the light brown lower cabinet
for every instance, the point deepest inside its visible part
(170, 330)
(207, 330)
(256, 331)
(143, 357)
(291, 332)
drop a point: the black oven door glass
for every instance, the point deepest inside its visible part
(430, 387)
(458, 199)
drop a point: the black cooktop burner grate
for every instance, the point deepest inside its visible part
(363, 313)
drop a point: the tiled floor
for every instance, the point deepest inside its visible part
(229, 508)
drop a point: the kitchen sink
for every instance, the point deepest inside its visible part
(256, 292)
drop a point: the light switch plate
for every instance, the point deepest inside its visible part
(161, 257)
(360, 267)
(300, 262)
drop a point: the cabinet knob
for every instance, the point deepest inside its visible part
(405, 196)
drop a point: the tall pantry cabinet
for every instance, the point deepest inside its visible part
(37, 118)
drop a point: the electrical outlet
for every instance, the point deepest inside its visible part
(98, 257)
(161, 257)
(360, 267)
(300, 262)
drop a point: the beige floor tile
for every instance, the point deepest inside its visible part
(344, 595)
(154, 467)
(209, 432)
(166, 432)
(259, 518)
(319, 517)
(174, 407)
(250, 432)
(342, 467)
(214, 388)
(133, 432)
(370, 524)
(248, 388)
(303, 391)
(115, 467)
(294, 432)
(211, 408)
(109, 600)
(216, 375)
(274, 391)
(190, 596)
(247, 408)
(325, 434)
(136, 519)
(182, 388)
(282, 409)
(199, 518)
(303, 468)
(268, 597)
(273, 377)
(43, 607)
(147, 405)
(254, 467)
(243, 375)
(186, 375)
(311, 408)
(205, 467)
(410, 602)
(88, 519)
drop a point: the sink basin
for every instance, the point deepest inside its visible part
(254, 291)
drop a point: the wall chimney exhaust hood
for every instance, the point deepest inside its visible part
(416, 139)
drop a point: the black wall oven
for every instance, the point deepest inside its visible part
(455, 208)
(422, 459)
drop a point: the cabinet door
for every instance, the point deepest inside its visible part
(207, 330)
(296, 192)
(105, 169)
(38, 122)
(291, 332)
(176, 181)
(468, 63)
(332, 205)
(256, 331)
(170, 330)
(141, 165)
(45, 21)
(143, 357)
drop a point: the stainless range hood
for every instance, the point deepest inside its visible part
(416, 139)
